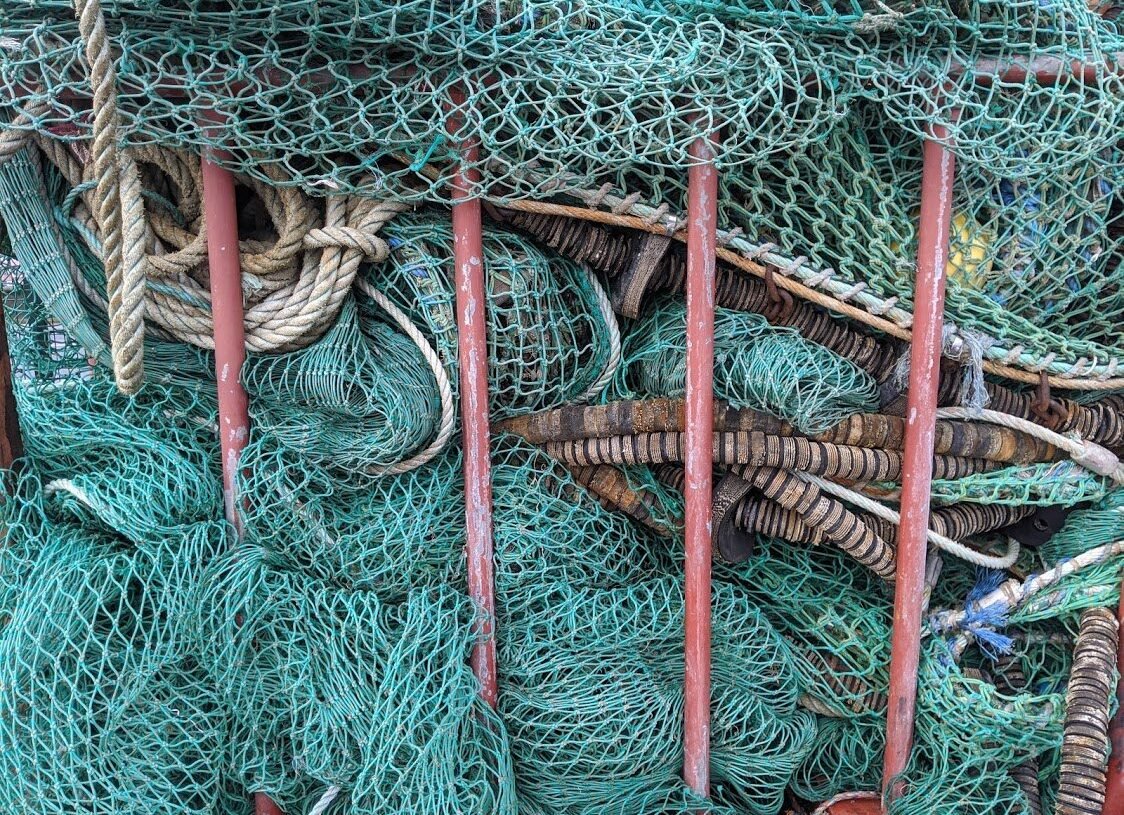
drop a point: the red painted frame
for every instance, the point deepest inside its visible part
(702, 225)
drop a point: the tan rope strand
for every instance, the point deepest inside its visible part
(125, 282)
(18, 133)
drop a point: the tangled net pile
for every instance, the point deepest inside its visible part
(155, 659)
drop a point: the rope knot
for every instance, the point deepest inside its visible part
(346, 237)
(1098, 459)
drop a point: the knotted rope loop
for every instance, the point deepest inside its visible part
(371, 246)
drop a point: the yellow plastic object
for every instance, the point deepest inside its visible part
(969, 262)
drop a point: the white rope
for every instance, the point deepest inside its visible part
(448, 410)
(1013, 594)
(68, 486)
(325, 801)
(946, 544)
(607, 313)
(1090, 455)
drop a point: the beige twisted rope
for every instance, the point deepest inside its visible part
(17, 134)
(294, 281)
(118, 208)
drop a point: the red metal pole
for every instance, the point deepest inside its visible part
(263, 805)
(11, 440)
(702, 223)
(468, 256)
(1046, 70)
(938, 173)
(221, 217)
(1114, 781)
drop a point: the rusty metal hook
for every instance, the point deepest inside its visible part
(781, 304)
(1043, 406)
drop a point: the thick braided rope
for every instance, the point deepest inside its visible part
(118, 207)
(293, 287)
(448, 410)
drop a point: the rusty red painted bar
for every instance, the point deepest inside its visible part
(851, 803)
(263, 805)
(1114, 783)
(938, 173)
(11, 440)
(468, 257)
(220, 212)
(702, 224)
(1048, 70)
(221, 215)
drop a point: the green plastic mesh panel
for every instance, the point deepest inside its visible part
(548, 334)
(592, 692)
(755, 365)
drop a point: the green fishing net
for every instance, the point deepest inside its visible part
(324, 77)
(557, 93)
(819, 149)
(104, 706)
(1034, 262)
(755, 365)
(331, 685)
(1061, 483)
(359, 398)
(550, 327)
(592, 694)
(1088, 527)
(150, 663)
